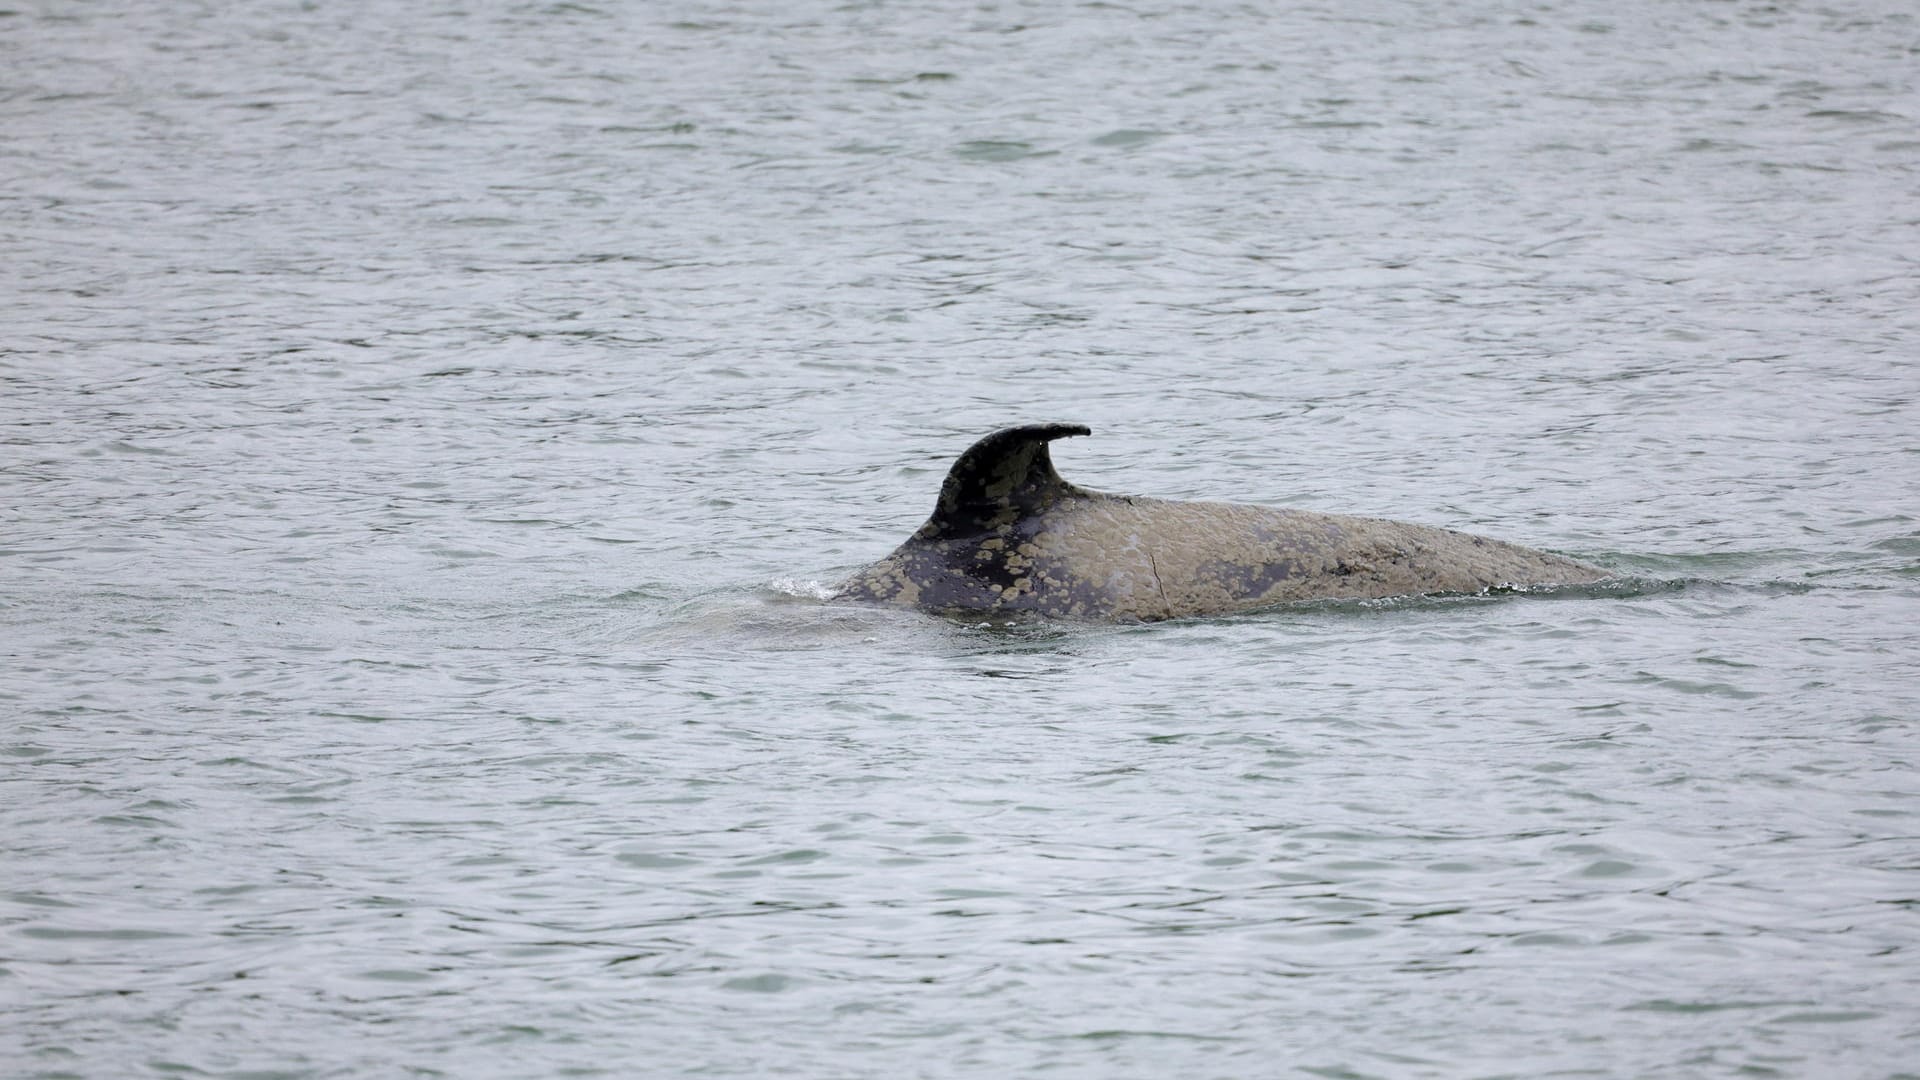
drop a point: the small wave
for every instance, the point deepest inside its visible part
(801, 589)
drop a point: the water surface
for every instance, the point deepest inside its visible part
(428, 431)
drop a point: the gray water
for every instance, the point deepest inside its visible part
(429, 431)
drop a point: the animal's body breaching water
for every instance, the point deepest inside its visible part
(1009, 535)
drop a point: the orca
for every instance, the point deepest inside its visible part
(1010, 535)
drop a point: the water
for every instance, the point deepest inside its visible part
(429, 428)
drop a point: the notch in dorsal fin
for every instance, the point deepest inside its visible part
(1004, 476)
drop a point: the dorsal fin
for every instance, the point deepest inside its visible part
(1006, 475)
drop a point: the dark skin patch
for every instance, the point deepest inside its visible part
(1249, 579)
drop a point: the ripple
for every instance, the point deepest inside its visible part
(433, 437)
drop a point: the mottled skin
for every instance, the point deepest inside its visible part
(1010, 535)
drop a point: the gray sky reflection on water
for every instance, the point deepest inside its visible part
(430, 428)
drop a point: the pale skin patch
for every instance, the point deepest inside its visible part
(1094, 558)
